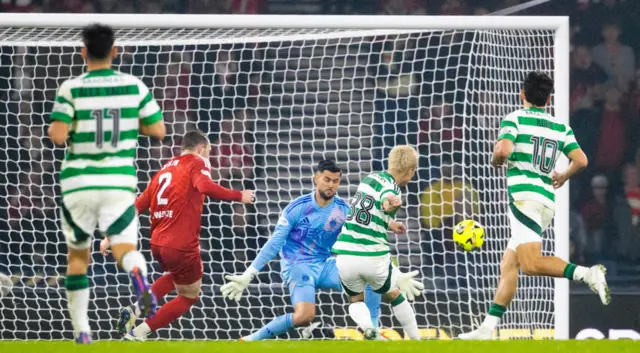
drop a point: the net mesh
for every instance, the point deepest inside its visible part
(274, 102)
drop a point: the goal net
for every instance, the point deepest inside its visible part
(275, 101)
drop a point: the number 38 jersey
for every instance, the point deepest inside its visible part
(104, 109)
(365, 231)
(538, 141)
(174, 202)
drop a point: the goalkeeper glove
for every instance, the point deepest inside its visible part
(237, 284)
(409, 287)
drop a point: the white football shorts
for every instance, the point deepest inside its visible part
(528, 219)
(358, 271)
(112, 211)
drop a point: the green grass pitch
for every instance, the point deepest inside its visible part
(322, 347)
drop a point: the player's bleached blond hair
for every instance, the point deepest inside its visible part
(403, 159)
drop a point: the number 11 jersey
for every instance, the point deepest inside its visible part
(538, 139)
(104, 109)
(365, 231)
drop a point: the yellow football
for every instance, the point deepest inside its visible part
(468, 235)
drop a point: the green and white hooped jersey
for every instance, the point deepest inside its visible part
(104, 109)
(538, 141)
(365, 231)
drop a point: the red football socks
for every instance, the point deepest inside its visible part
(170, 311)
(163, 285)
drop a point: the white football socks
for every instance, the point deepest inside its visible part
(490, 323)
(407, 318)
(580, 273)
(361, 315)
(142, 330)
(134, 259)
(78, 305)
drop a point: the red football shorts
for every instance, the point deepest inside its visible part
(186, 267)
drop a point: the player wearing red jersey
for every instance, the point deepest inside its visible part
(175, 197)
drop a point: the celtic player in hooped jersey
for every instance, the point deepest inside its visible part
(101, 113)
(530, 142)
(362, 248)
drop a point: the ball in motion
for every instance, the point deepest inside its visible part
(468, 235)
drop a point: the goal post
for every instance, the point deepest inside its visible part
(304, 88)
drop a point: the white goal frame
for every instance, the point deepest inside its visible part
(560, 26)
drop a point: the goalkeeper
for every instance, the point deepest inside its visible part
(304, 235)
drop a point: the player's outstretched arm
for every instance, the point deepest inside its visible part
(201, 179)
(578, 160)
(236, 285)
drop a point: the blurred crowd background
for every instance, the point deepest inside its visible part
(219, 89)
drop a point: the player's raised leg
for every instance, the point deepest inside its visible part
(169, 312)
(524, 251)
(122, 230)
(129, 314)
(186, 272)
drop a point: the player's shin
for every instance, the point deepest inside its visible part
(361, 315)
(403, 311)
(504, 293)
(77, 287)
(168, 313)
(78, 302)
(276, 327)
(373, 300)
(160, 287)
(134, 263)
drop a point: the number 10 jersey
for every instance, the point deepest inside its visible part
(538, 139)
(365, 231)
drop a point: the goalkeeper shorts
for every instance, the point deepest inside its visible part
(358, 271)
(528, 220)
(112, 211)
